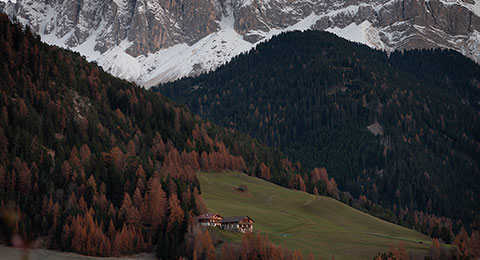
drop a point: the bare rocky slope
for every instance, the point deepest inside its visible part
(153, 41)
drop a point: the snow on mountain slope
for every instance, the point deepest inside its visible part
(208, 53)
(354, 32)
(153, 41)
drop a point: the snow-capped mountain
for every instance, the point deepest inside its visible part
(153, 41)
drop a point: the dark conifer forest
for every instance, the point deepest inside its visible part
(402, 129)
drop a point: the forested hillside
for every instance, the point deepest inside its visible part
(403, 130)
(96, 165)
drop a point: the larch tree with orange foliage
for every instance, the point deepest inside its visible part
(156, 203)
(129, 211)
(176, 214)
(297, 183)
(264, 171)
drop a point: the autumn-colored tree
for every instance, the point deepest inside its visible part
(79, 235)
(158, 146)
(92, 183)
(194, 160)
(190, 145)
(226, 252)
(297, 183)
(297, 255)
(85, 153)
(475, 243)
(399, 252)
(310, 256)
(137, 199)
(264, 171)
(199, 202)
(157, 202)
(22, 108)
(204, 162)
(332, 189)
(131, 150)
(140, 173)
(120, 115)
(55, 215)
(82, 204)
(4, 115)
(74, 159)
(213, 162)
(66, 169)
(116, 158)
(24, 180)
(111, 230)
(435, 249)
(129, 211)
(240, 164)
(175, 211)
(120, 243)
(315, 175)
(173, 163)
(208, 248)
(196, 133)
(469, 246)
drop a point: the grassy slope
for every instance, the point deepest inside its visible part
(301, 220)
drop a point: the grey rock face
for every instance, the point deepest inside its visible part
(148, 26)
(163, 23)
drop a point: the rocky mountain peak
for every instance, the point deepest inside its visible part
(152, 41)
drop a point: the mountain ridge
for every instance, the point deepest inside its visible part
(166, 40)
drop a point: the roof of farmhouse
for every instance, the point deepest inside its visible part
(209, 216)
(234, 219)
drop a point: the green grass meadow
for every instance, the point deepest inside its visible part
(300, 220)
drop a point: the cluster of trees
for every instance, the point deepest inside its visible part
(466, 248)
(396, 252)
(95, 165)
(200, 244)
(401, 130)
